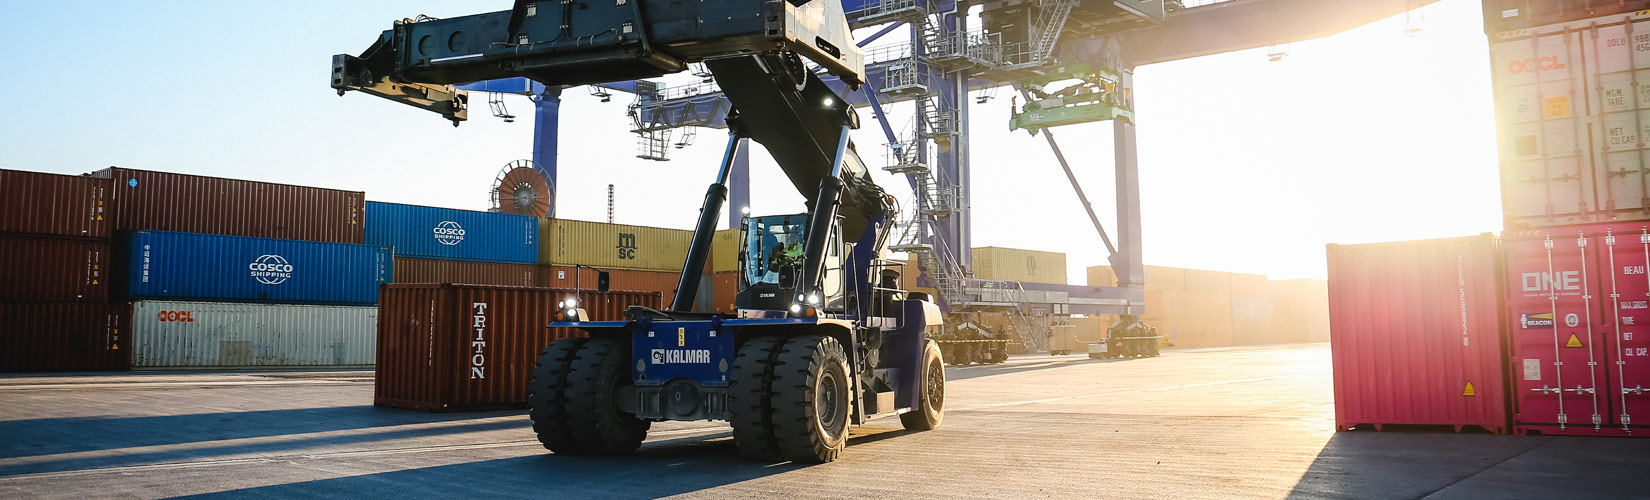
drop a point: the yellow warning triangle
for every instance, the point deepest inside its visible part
(94, 282)
(1574, 342)
(117, 347)
(1469, 391)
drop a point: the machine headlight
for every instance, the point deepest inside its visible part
(813, 299)
(796, 308)
(572, 302)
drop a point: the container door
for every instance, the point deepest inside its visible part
(1627, 360)
(1617, 56)
(1546, 171)
(1554, 323)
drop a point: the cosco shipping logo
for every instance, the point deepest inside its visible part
(270, 269)
(449, 233)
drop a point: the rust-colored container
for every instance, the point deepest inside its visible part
(1576, 297)
(61, 205)
(725, 289)
(1416, 334)
(60, 337)
(165, 201)
(54, 269)
(414, 270)
(645, 281)
(444, 347)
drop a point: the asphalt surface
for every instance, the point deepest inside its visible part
(1251, 422)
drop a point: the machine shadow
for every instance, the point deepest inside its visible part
(658, 469)
(1045, 363)
(49, 436)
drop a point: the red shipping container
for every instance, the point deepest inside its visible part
(1416, 334)
(643, 281)
(59, 337)
(54, 270)
(53, 204)
(164, 201)
(726, 291)
(414, 270)
(444, 347)
(1576, 297)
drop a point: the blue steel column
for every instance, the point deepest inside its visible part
(546, 129)
(739, 184)
(948, 171)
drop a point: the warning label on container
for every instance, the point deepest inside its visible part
(1541, 320)
(1468, 391)
(1575, 342)
(1557, 107)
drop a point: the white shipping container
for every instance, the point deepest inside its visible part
(222, 334)
(1573, 106)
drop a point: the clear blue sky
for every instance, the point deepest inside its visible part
(1246, 165)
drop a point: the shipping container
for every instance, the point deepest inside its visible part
(1572, 121)
(187, 266)
(637, 281)
(1101, 276)
(725, 292)
(1575, 297)
(60, 337)
(1416, 334)
(53, 204)
(54, 269)
(168, 334)
(1300, 309)
(445, 233)
(612, 246)
(1013, 264)
(1165, 278)
(1249, 285)
(725, 251)
(1252, 321)
(411, 270)
(1502, 16)
(146, 200)
(471, 347)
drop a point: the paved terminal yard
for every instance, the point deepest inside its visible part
(1253, 422)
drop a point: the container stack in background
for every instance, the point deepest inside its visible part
(444, 245)
(637, 258)
(55, 313)
(1198, 308)
(235, 273)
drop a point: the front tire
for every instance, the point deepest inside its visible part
(931, 410)
(574, 399)
(810, 399)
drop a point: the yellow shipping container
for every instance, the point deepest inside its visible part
(1301, 310)
(1101, 276)
(1249, 285)
(612, 246)
(724, 256)
(1013, 264)
(1165, 278)
(1200, 281)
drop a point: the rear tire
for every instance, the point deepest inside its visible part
(931, 410)
(810, 399)
(583, 416)
(750, 398)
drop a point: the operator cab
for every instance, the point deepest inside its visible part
(771, 263)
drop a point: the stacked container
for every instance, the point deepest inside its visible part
(638, 258)
(54, 259)
(235, 273)
(443, 245)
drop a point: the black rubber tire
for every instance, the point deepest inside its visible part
(750, 398)
(931, 410)
(587, 414)
(810, 399)
(547, 395)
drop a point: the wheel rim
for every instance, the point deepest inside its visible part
(831, 412)
(934, 385)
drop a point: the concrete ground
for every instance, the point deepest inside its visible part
(1252, 422)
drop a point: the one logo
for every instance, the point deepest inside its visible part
(1543, 320)
(270, 269)
(681, 356)
(627, 246)
(449, 233)
(1562, 281)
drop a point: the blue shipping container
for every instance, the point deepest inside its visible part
(445, 233)
(210, 267)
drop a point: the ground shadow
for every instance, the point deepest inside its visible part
(658, 469)
(47, 436)
(1436, 462)
(1026, 364)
